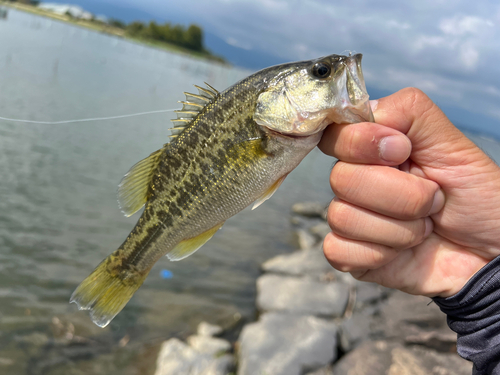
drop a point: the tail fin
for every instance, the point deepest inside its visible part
(105, 294)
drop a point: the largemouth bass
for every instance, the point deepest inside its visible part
(228, 150)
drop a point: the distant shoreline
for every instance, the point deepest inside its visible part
(108, 29)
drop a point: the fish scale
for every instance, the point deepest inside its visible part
(228, 150)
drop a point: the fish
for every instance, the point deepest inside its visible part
(228, 150)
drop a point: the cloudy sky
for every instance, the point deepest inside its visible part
(448, 48)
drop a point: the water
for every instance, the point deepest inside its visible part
(59, 216)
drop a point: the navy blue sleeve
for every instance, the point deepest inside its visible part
(474, 314)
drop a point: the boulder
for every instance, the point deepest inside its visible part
(369, 293)
(301, 295)
(299, 263)
(408, 318)
(286, 344)
(320, 230)
(208, 345)
(383, 357)
(356, 329)
(176, 357)
(310, 209)
(207, 329)
(306, 240)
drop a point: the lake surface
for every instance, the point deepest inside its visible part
(59, 215)
(58, 211)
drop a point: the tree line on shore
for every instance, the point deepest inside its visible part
(190, 37)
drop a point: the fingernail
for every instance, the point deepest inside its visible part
(437, 203)
(429, 226)
(394, 148)
(374, 105)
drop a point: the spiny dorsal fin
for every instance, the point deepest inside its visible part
(212, 89)
(209, 92)
(133, 189)
(191, 108)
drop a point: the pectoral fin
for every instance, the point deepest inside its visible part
(187, 247)
(269, 192)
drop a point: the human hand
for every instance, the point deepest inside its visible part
(424, 227)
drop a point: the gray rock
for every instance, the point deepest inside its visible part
(283, 344)
(345, 277)
(207, 329)
(208, 345)
(382, 357)
(368, 293)
(320, 230)
(445, 342)
(305, 239)
(35, 339)
(310, 209)
(355, 330)
(403, 315)
(176, 357)
(301, 295)
(327, 370)
(300, 263)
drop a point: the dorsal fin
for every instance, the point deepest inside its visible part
(191, 108)
(133, 189)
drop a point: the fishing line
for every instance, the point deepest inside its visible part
(87, 119)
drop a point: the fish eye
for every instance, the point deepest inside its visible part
(321, 70)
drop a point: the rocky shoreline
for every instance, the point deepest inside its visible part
(314, 320)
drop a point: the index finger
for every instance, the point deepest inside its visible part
(366, 143)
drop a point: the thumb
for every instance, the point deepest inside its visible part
(436, 142)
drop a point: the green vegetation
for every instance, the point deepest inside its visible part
(170, 36)
(190, 38)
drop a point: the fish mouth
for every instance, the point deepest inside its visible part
(350, 106)
(301, 103)
(285, 134)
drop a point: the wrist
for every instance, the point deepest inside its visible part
(470, 267)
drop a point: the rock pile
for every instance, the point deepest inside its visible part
(204, 354)
(314, 320)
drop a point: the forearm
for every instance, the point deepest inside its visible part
(474, 314)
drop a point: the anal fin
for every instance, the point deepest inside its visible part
(187, 247)
(269, 192)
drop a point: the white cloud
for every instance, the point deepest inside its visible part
(398, 25)
(234, 42)
(449, 49)
(462, 25)
(469, 55)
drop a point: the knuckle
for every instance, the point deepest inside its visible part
(338, 178)
(338, 215)
(418, 200)
(330, 250)
(344, 179)
(354, 145)
(417, 102)
(408, 235)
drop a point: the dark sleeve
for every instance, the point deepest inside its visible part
(474, 314)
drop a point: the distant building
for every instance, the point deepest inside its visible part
(72, 10)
